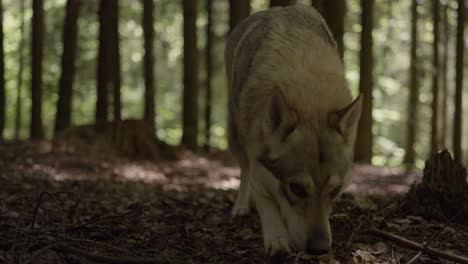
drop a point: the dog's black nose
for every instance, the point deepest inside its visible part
(317, 246)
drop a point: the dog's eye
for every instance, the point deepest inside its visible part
(298, 190)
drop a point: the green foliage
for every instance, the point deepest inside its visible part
(391, 57)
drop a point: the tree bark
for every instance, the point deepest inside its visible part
(319, 5)
(334, 14)
(190, 94)
(70, 32)
(436, 140)
(412, 121)
(36, 69)
(238, 11)
(363, 150)
(282, 2)
(2, 77)
(104, 67)
(209, 71)
(444, 67)
(115, 79)
(457, 129)
(19, 101)
(148, 31)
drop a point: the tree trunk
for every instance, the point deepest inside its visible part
(209, 71)
(104, 67)
(334, 14)
(412, 121)
(457, 123)
(238, 11)
(115, 60)
(190, 95)
(436, 140)
(2, 77)
(363, 150)
(19, 102)
(70, 32)
(282, 2)
(148, 31)
(444, 77)
(36, 69)
(319, 5)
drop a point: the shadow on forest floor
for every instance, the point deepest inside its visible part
(66, 207)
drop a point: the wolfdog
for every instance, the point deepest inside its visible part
(292, 125)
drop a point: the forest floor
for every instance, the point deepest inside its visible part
(73, 207)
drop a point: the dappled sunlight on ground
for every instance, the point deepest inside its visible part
(216, 171)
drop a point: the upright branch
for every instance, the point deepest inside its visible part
(363, 150)
(148, 61)
(412, 121)
(238, 11)
(282, 2)
(115, 58)
(334, 14)
(436, 140)
(209, 72)
(2, 76)
(190, 94)
(457, 129)
(18, 116)
(37, 24)
(70, 32)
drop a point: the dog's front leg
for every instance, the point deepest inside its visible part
(275, 235)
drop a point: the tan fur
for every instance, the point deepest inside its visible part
(292, 124)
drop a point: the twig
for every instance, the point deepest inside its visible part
(426, 244)
(416, 246)
(92, 221)
(38, 205)
(111, 259)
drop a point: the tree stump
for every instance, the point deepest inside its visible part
(443, 174)
(130, 138)
(443, 191)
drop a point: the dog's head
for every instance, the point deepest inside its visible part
(311, 160)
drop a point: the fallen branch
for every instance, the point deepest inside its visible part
(62, 248)
(416, 246)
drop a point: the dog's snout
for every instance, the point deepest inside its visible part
(317, 246)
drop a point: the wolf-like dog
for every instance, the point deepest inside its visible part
(292, 125)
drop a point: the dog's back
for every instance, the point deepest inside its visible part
(289, 47)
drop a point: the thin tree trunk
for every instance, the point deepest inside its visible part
(70, 32)
(436, 141)
(282, 2)
(412, 121)
(148, 31)
(238, 11)
(115, 80)
(36, 69)
(190, 95)
(334, 14)
(209, 71)
(19, 102)
(2, 77)
(444, 79)
(319, 5)
(104, 67)
(363, 151)
(457, 123)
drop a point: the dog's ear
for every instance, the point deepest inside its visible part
(345, 120)
(282, 118)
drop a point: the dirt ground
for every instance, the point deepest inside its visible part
(72, 207)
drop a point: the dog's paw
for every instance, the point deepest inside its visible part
(239, 210)
(277, 246)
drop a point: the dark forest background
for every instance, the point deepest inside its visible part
(70, 63)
